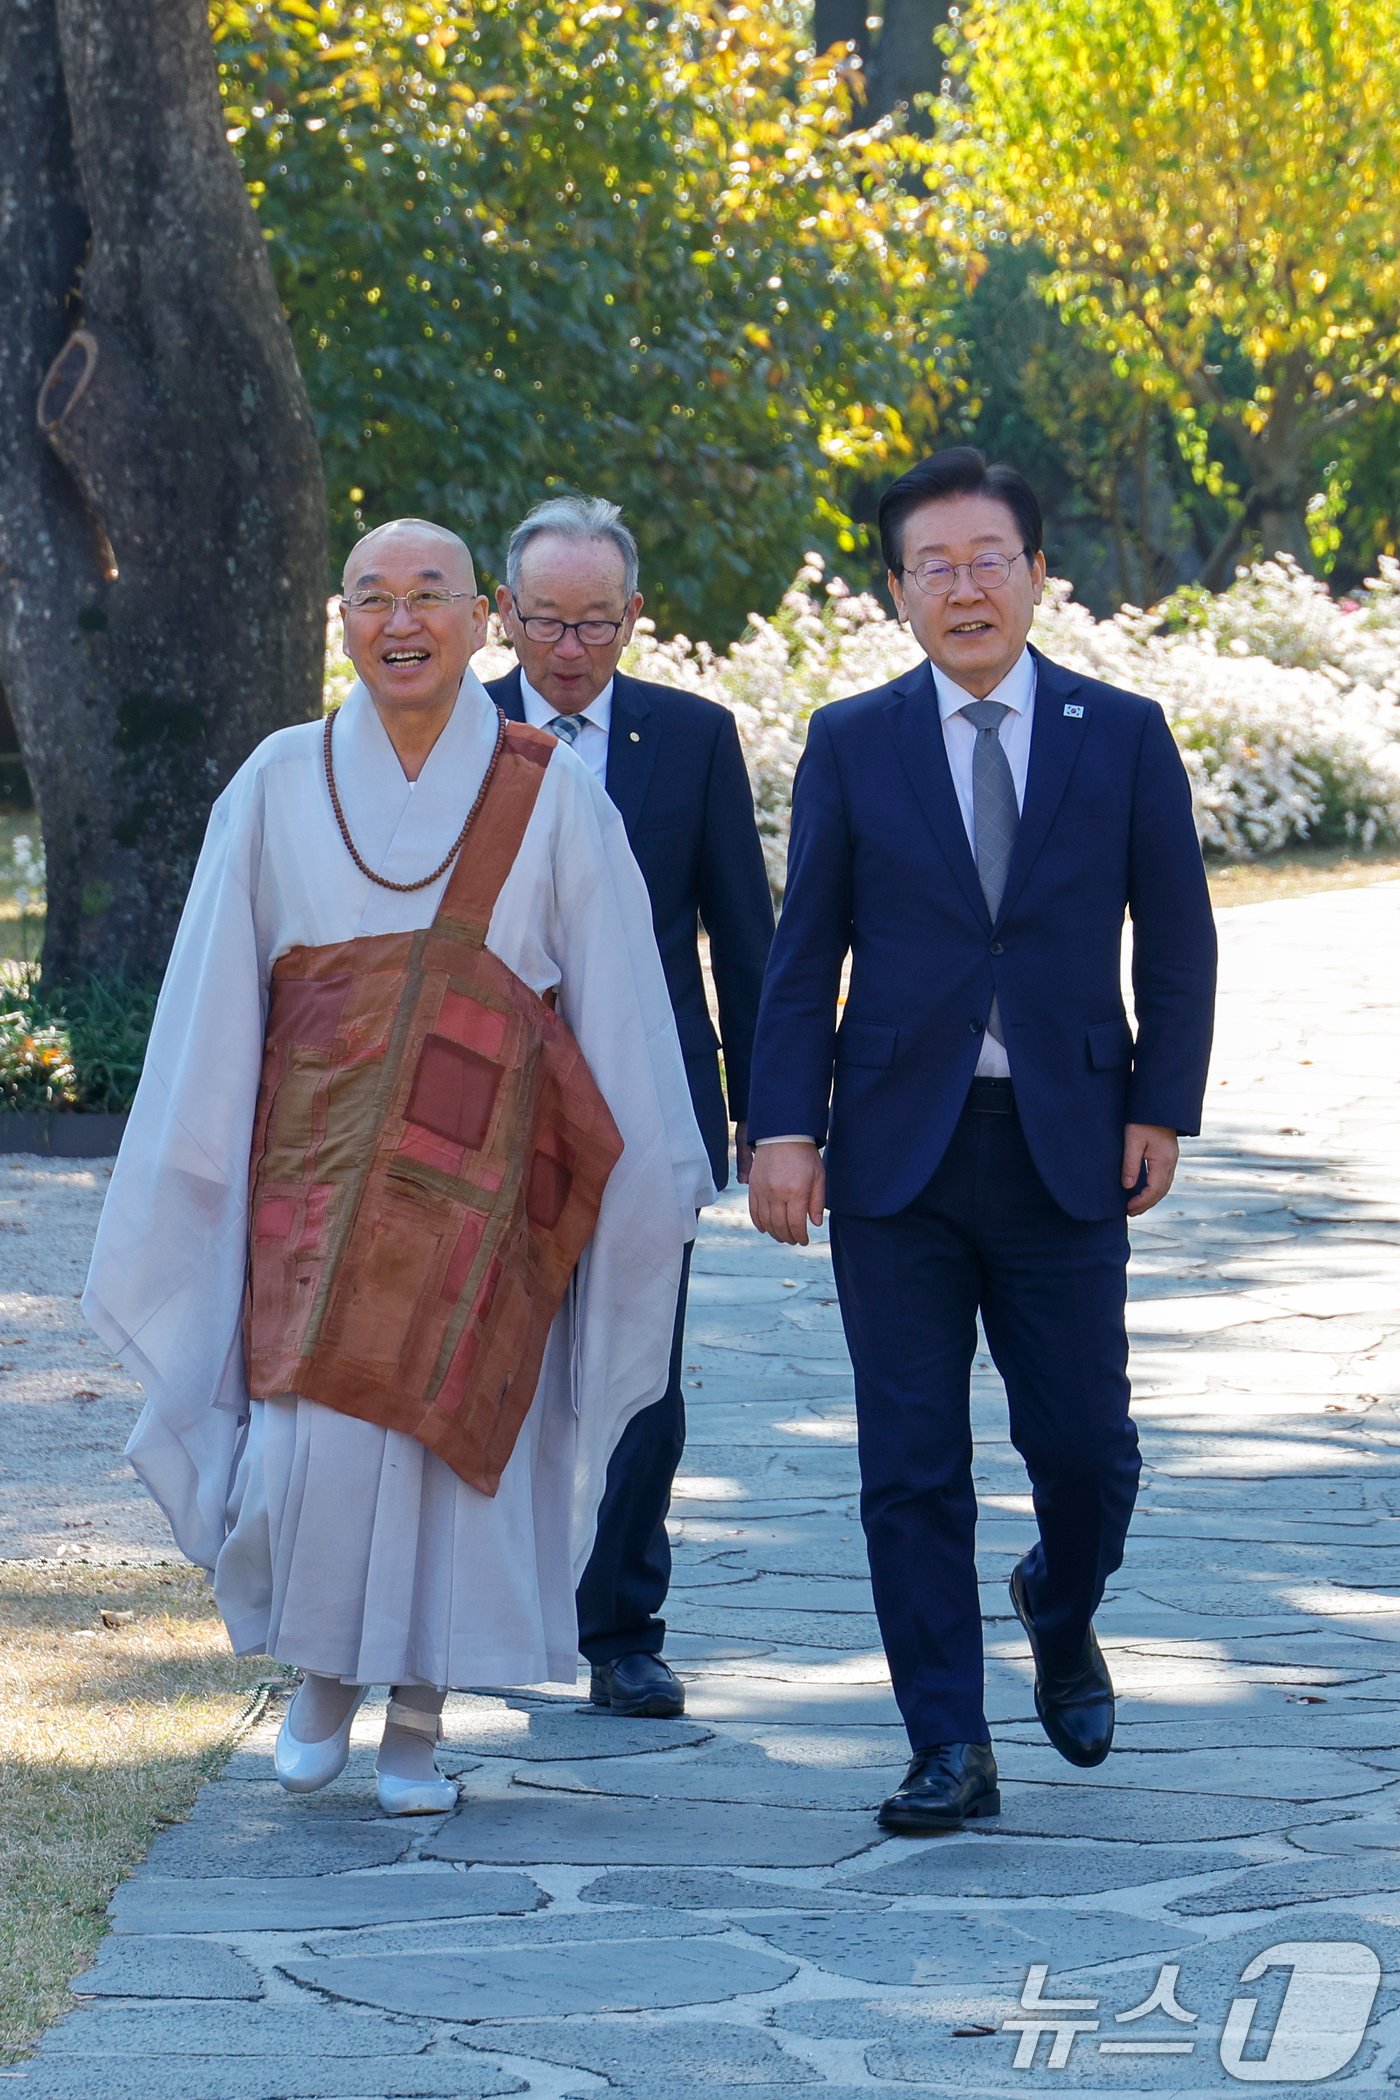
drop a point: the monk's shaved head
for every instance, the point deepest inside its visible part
(413, 621)
(454, 558)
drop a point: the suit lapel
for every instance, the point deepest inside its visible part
(913, 718)
(633, 735)
(509, 698)
(1056, 742)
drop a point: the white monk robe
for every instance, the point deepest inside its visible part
(341, 1547)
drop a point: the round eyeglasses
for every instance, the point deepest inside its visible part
(988, 571)
(378, 603)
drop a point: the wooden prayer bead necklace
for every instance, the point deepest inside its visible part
(460, 841)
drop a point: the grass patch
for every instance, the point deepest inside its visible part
(1299, 871)
(106, 1733)
(21, 933)
(21, 937)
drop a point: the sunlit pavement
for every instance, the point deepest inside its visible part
(671, 1908)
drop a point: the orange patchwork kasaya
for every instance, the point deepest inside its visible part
(429, 1158)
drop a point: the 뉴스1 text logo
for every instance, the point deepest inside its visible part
(1316, 2031)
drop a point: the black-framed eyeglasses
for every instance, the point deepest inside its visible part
(594, 634)
(417, 602)
(988, 571)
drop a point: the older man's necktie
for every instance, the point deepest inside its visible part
(995, 814)
(566, 728)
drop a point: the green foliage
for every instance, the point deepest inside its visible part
(77, 1047)
(1214, 183)
(1363, 467)
(1122, 512)
(633, 250)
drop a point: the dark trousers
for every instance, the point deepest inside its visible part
(984, 1235)
(629, 1570)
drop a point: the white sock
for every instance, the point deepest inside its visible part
(320, 1707)
(408, 1753)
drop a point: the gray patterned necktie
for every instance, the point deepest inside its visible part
(995, 814)
(567, 728)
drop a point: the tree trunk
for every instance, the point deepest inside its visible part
(907, 62)
(1279, 522)
(1278, 460)
(1218, 568)
(1274, 519)
(840, 22)
(162, 518)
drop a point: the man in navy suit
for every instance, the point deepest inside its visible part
(671, 762)
(971, 835)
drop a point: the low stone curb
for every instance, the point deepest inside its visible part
(61, 1133)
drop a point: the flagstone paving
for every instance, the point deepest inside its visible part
(670, 1908)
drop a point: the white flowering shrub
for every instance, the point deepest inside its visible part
(824, 641)
(1284, 701)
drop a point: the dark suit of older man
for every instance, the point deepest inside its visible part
(671, 762)
(676, 773)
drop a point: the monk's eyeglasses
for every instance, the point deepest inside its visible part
(385, 603)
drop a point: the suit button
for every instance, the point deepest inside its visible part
(976, 1027)
(997, 948)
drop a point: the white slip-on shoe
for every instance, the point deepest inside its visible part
(414, 1797)
(303, 1768)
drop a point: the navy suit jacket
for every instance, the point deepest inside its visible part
(676, 773)
(880, 866)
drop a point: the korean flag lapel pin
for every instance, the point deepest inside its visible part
(1076, 714)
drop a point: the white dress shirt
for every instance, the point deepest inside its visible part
(1016, 691)
(591, 743)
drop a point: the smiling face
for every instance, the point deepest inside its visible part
(412, 660)
(571, 580)
(974, 634)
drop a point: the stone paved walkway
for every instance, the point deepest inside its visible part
(666, 1910)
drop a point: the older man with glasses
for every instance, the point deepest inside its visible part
(671, 762)
(972, 835)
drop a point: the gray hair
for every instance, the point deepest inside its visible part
(573, 518)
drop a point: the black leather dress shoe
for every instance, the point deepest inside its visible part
(1073, 1695)
(945, 1787)
(638, 1687)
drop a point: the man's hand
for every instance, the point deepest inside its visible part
(1147, 1144)
(743, 1153)
(787, 1187)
